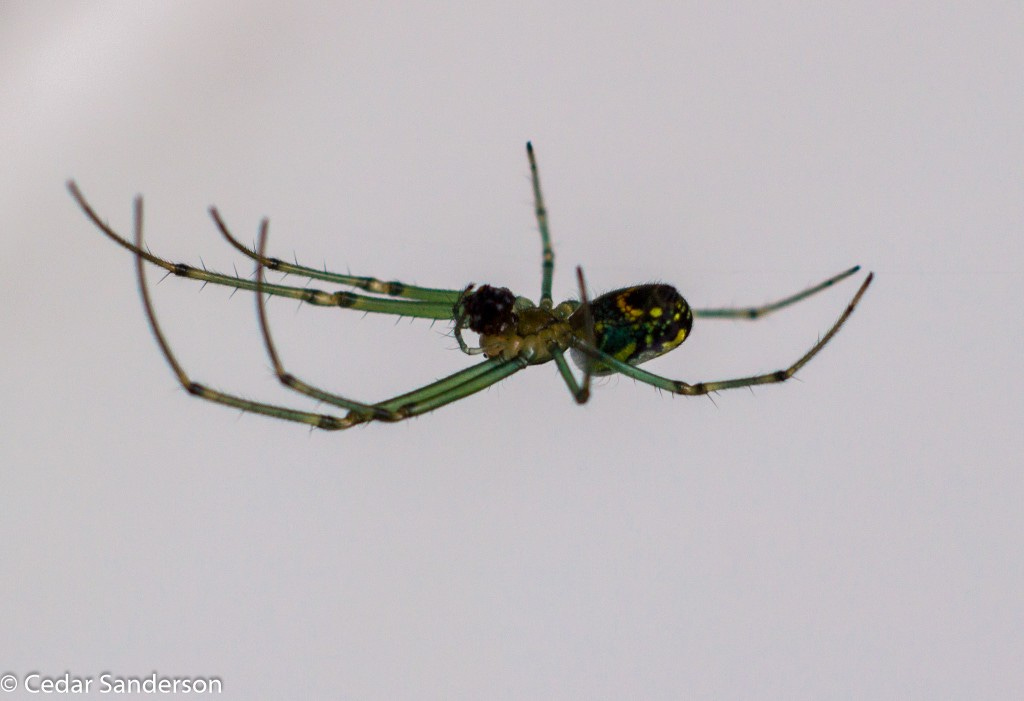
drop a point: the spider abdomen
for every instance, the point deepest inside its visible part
(635, 324)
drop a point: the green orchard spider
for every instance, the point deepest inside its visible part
(614, 333)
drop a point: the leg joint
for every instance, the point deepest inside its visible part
(345, 299)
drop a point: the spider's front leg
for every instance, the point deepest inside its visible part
(324, 421)
(394, 298)
(436, 394)
(419, 401)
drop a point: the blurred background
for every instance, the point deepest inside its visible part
(857, 532)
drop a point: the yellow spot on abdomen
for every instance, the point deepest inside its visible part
(626, 352)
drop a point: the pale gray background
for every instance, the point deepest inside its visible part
(855, 534)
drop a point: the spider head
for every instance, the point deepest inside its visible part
(487, 310)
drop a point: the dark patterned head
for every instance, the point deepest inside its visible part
(488, 310)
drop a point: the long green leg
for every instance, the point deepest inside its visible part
(413, 403)
(580, 392)
(758, 312)
(680, 387)
(454, 387)
(391, 289)
(363, 411)
(545, 235)
(350, 300)
(324, 421)
(431, 396)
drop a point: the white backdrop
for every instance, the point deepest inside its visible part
(857, 533)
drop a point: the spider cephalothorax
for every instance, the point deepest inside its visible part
(538, 334)
(612, 334)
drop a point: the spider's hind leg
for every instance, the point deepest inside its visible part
(765, 309)
(680, 387)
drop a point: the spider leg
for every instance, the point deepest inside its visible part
(548, 265)
(452, 388)
(286, 378)
(432, 396)
(463, 346)
(765, 309)
(391, 289)
(580, 392)
(459, 323)
(680, 387)
(324, 421)
(418, 308)
(426, 398)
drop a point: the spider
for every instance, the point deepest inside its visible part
(613, 333)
